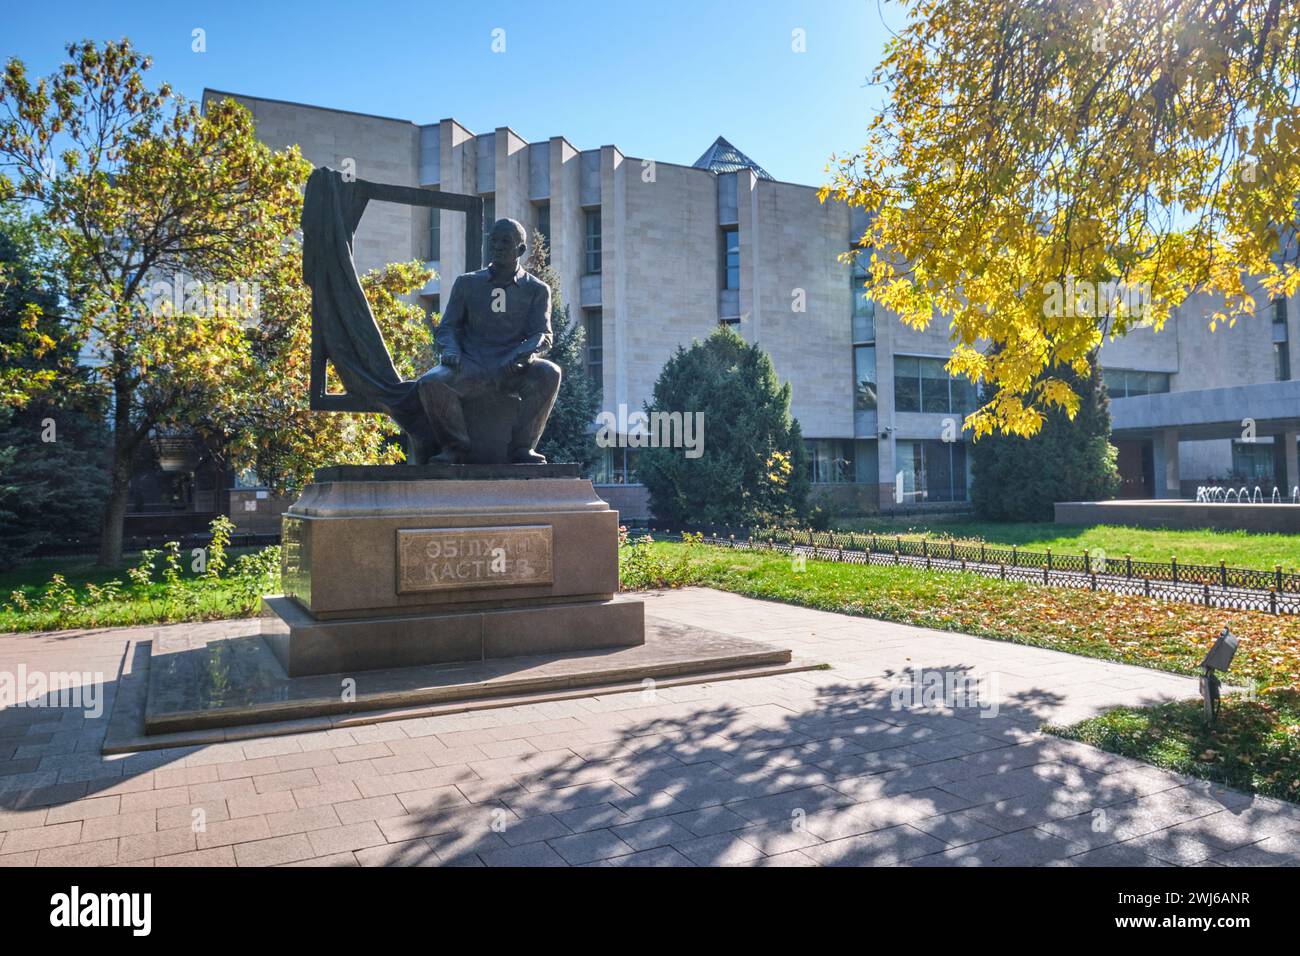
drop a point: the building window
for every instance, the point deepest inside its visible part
(594, 326)
(830, 460)
(930, 471)
(866, 453)
(1281, 361)
(864, 308)
(489, 217)
(593, 242)
(1252, 461)
(429, 304)
(864, 377)
(615, 466)
(1128, 383)
(864, 340)
(730, 259)
(544, 222)
(435, 236)
(923, 385)
(842, 461)
(1281, 345)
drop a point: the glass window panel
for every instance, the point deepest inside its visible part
(864, 314)
(1252, 461)
(864, 327)
(489, 217)
(813, 449)
(934, 386)
(602, 470)
(909, 470)
(938, 471)
(830, 460)
(544, 221)
(958, 470)
(864, 377)
(963, 395)
(842, 468)
(593, 242)
(907, 384)
(594, 328)
(731, 258)
(866, 462)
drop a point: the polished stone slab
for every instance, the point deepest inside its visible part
(343, 554)
(307, 645)
(197, 682)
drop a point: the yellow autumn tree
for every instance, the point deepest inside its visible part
(265, 420)
(1046, 173)
(176, 228)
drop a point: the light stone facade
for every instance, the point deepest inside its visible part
(662, 282)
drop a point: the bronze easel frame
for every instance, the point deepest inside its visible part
(472, 206)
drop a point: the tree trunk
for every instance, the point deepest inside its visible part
(125, 440)
(110, 530)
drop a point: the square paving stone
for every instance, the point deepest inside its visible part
(590, 846)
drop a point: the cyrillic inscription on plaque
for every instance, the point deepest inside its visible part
(443, 559)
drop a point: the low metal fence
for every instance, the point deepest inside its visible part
(1275, 591)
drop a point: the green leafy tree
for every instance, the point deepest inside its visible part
(1020, 479)
(753, 468)
(139, 187)
(53, 439)
(265, 422)
(568, 436)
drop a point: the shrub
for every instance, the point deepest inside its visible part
(752, 467)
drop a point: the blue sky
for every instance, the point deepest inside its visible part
(658, 79)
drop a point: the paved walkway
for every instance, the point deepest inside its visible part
(856, 765)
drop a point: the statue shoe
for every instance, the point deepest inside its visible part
(420, 448)
(449, 456)
(527, 456)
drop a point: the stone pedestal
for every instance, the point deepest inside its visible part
(400, 566)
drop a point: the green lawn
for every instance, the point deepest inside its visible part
(79, 570)
(1126, 628)
(1236, 548)
(61, 593)
(1254, 747)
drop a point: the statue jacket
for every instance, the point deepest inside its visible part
(492, 323)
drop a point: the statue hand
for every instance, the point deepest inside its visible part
(450, 359)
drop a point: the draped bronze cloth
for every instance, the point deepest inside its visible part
(341, 315)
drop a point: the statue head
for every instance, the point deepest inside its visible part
(506, 244)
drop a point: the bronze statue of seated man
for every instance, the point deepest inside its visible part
(496, 324)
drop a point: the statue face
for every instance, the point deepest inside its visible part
(506, 244)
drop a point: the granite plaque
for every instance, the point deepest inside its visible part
(445, 559)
